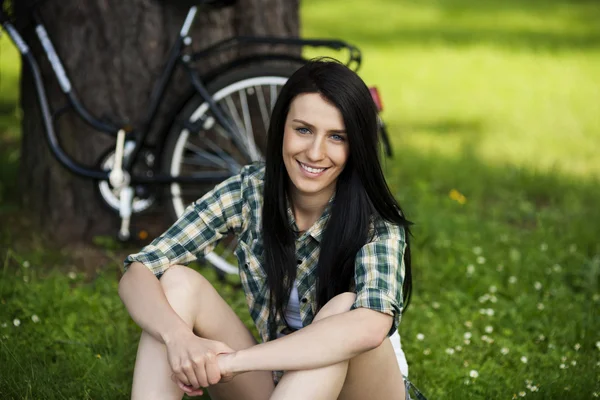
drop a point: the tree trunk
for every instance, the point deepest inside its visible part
(113, 52)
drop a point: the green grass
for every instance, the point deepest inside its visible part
(497, 100)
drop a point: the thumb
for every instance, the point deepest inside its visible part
(222, 348)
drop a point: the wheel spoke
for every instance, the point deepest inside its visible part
(248, 123)
(203, 157)
(264, 113)
(273, 96)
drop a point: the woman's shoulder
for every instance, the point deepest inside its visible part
(253, 172)
(382, 229)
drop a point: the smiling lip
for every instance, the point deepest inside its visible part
(311, 171)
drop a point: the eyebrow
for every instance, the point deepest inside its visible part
(313, 127)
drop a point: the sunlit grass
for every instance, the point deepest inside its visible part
(493, 111)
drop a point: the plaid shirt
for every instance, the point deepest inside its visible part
(235, 205)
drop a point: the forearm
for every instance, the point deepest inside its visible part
(326, 342)
(147, 304)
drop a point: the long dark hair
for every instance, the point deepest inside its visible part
(361, 190)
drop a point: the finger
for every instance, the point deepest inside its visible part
(190, 373)
(179, 375)
(201, 376)
(213, 372)
(188, 389)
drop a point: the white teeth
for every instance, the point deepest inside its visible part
(312, 170)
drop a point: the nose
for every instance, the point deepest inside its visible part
(316, 151)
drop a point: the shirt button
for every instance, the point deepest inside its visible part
(299, 261)
(304, 300)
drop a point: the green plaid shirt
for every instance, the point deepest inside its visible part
(235, 205)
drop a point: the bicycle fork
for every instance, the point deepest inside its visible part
(121, 182)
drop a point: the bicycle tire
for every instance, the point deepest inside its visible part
(208, 139)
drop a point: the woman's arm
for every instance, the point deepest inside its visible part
(329, 341)
(147, 304)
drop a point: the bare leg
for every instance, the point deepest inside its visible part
(195, 300)
(372, 375)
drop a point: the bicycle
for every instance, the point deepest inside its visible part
(221, 127)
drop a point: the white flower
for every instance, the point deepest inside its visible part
(467, 335)
(598, 345)
(470, 269)
(35, 318)
(504, 350)
(512, 280)
(477, 250)
(540, 306)
(524, 360)
(522, 394)
(467, 342)
(474, 374)
(533, 388)
(563, 366)
(427, 352)
(563, 358)
(493, 299)
(490, 312)
(484, 298)
(493, 289)
(577, 346)
(573, 363)
(469, 324)
(481, 260)
(458, 348)
(465, 363)
(450, 351)
(489, 329)
(543, 246)
(26, 264)
(537, 286)
(72, 275)
(595, 394)
(435, 305)
(420, 336)
(4, 324)
(16, 322)
(541, 338)
(557, 268)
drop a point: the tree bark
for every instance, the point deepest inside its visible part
(113, 52)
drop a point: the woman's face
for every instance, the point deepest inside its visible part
(315, 145)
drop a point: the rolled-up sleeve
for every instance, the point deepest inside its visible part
(379, 275)
(198, 230)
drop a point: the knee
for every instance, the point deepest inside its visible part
(337, 305)
(182, 282)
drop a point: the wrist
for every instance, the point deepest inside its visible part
(229, 362)
(174, 333)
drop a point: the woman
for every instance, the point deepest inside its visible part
(324, 260)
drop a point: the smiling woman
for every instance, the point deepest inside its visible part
(324, 261)
(315, 152)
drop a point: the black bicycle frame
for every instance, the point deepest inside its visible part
(176, 56)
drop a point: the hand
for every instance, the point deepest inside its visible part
(193, 361)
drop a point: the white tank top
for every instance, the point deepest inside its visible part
(292, 316)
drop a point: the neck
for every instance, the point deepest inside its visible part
(308, 208)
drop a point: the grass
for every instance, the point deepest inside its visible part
(492, 108)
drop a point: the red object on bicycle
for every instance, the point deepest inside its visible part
(376, 98)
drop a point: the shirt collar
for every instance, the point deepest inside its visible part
(317, 229)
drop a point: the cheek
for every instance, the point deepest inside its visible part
(340, 155)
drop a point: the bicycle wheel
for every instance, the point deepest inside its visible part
(197, 144)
